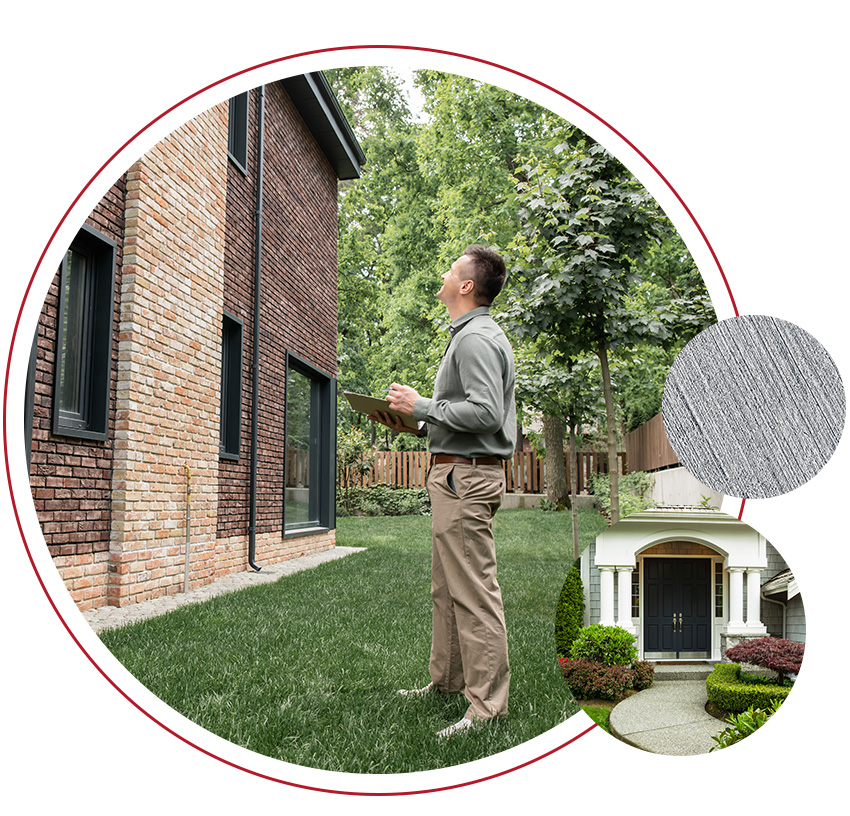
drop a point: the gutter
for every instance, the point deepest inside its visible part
(255, 366)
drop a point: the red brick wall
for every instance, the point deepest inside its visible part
(113, 512)
(299, 301)
(71, 478)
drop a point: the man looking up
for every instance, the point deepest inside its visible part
(471, 428)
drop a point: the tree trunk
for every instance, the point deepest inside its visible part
(556, 474)
(613, 470)
(574, 489)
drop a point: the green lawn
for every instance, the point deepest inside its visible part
(599, 715)
(306, 669)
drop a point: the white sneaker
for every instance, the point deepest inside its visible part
(460, 725)
(418, 692)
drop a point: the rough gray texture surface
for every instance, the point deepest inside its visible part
(754, 406)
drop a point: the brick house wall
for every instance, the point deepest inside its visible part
(114, 512)
(298, 310)
(71, 479)
(169, 363)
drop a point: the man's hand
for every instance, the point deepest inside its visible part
(402, 398)
(393, 422)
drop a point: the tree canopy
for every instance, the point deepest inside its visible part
(602, 292)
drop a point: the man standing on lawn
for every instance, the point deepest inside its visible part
(471, 429)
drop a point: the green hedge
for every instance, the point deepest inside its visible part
(382, 500)
(728, 691)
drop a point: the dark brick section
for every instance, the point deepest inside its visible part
(299, 300)
(71, 479)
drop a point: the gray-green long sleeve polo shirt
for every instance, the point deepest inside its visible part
(472, 412)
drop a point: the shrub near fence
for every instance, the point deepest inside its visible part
(524, 473)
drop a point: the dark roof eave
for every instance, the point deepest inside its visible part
(315, 100)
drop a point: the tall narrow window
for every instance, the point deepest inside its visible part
(310, 447)
(231, 386)
(636, 591)
(237, 131)
(84, 337)
(718, 589)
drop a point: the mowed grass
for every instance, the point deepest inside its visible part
(306, 669)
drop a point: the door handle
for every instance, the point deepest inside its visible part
(680, 621)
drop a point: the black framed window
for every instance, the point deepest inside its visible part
(84, 337)
(310, 429)
(231, 387)
(237, 131)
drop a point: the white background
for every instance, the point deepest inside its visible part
(742, 110)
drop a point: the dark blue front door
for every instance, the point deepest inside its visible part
(677, 611)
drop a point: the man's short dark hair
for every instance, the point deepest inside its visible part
(488, 272)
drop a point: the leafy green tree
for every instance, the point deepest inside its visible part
(586, 222)
(429, 188)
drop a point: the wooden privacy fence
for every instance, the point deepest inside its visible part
(647, 447)
(525, 473)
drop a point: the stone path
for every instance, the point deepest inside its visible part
(667, 718)
(108, 617)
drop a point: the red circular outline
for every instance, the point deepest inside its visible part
(38, 266)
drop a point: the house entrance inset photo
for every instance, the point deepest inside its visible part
(690, 617)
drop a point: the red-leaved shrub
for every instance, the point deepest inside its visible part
(588, 679)
(777, 654)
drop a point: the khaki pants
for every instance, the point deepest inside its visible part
(469, 648)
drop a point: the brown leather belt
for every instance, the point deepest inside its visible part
(448, 459)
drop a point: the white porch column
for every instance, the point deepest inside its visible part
(624, 599)
(754, 600)
(606, 596)
(736, 598)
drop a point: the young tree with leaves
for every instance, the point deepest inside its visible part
(585, 223)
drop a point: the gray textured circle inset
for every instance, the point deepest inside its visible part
(753, 406)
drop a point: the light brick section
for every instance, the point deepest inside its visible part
(169, 361)
(231, 552)
(85, 577)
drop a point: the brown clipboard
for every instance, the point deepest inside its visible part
(368, 405)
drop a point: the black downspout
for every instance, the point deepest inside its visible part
(255, 388)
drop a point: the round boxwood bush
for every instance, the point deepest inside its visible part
(569, 614)
(607, 645)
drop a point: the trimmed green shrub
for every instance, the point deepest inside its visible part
(608, 645)
(588, 679)
(569, 613)
(728, 691)
(742, 725)
(382, 500)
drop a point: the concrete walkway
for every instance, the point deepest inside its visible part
(108, 617)
(669, 717)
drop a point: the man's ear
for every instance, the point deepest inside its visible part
(467, 287)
